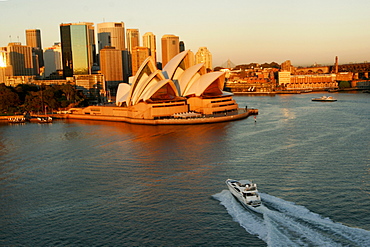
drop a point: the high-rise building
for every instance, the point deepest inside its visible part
(3, 59)
(182, 46)
(18, 59)
(112, 46)
(78, 48)
(139, 54)
(111, 34)
(170, 47)
(3, 65)
(150, 42)
(33, 39)
(111, 66)
(203, 55)
(132, 36)
(53, 59)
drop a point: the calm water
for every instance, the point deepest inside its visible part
(87, 183)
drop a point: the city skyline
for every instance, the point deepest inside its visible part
(242, 31)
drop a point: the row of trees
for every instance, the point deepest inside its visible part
(38, 98)
(253, 65)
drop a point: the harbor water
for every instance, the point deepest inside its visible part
(94, 183)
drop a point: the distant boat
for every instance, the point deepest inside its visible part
(324, 98)
(16, 120)
(246, 193)
(45, 119)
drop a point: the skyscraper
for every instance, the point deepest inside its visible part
(139, 54)
(53, 59)
(132, 36)
(3, 65)
(170, 47)
(203, 55)
(33, 39)
(111, 66)
(150, 42)
(19, 59)
(182, 46)
(78, 48)
(111, 34)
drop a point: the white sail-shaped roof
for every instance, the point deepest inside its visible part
(178, 79)
(153, 88)
(147, 68)
(214, 80)
(190, 75)
(122, 93)
(174, 64)
(145, 85)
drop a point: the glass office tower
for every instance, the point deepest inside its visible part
(78, 48)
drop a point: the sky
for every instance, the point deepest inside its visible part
(244, 31)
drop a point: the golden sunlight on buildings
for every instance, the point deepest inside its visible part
(2, 59)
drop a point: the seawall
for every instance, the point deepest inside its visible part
(241, 114)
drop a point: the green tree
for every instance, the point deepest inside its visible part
(9, 99)
(33, 102)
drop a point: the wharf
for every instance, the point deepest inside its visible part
(32, 118)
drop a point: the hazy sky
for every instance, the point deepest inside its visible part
(243, 31)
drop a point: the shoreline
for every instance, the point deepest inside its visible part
(241, 114)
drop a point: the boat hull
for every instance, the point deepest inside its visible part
(238, 195)
(324, 100)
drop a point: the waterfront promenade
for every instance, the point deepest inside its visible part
(216, 118)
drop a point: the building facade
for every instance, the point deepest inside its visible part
(33, 39)
(18, 59)
(170, 47)
(149, 41)
(53, 59)
(78, 48)
(111, 34)
(203, 55)
(132, 36)
(138, 56)
(111, 66)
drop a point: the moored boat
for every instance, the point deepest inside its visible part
(16, 120)
(45, 119)
(245, 192)
(325, 98)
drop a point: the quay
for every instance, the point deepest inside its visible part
(29, 118)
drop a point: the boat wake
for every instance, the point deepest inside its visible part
(283, 223)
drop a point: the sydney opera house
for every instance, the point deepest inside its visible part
(182, 93)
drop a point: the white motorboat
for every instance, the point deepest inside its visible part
(45, 119)
(246, 192)
(324, 98)
(16, 120)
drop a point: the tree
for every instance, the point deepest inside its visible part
(9, 99)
